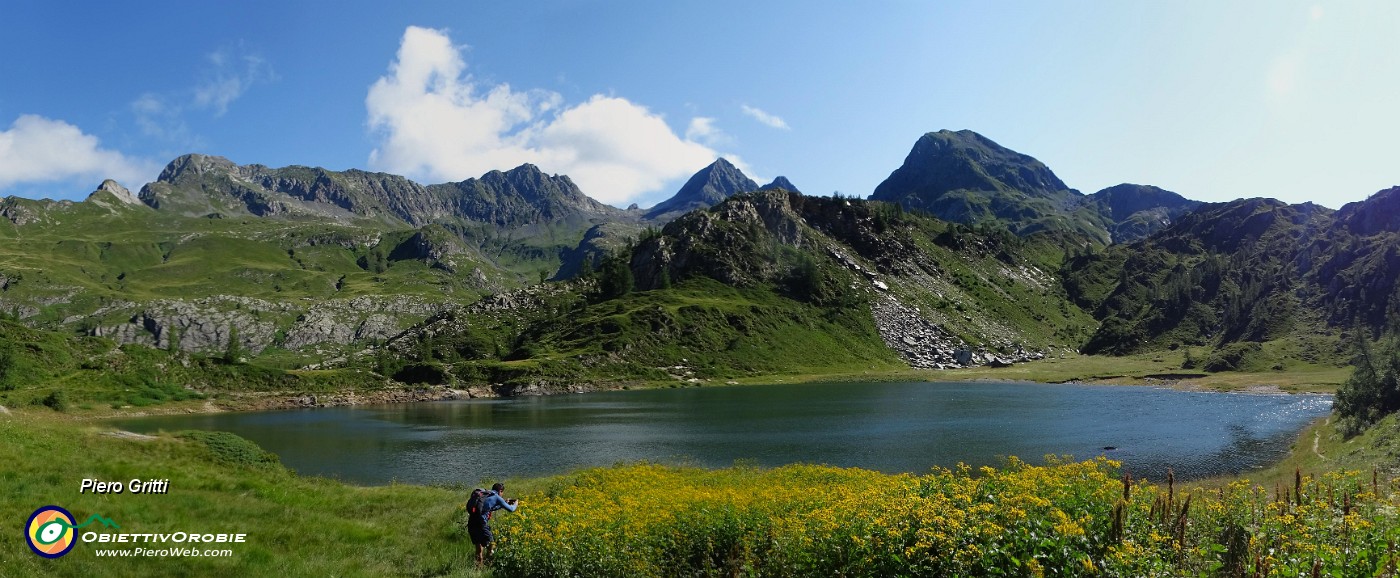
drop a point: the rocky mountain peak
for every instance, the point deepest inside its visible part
(1133, 212)
(1122, 201)
(706, 188)
(781, 183)
(947, 161)
(964, 177)
(116, 190)
(1379, 212)
(195, 164)
(535, 184)
(523, 195)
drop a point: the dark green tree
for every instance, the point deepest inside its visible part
(805, 279)
(234, 351)
(7, 366)
(1373, 390)
(615, 278)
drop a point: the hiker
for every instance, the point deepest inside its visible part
(479, 508)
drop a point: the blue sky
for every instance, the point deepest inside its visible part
(1214, 100)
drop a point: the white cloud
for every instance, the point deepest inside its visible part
(226, 81)
(702, 129)
(157, 117)
(763, 117)
(434, 121)
(37, 149)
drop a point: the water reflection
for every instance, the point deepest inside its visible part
(893, 427)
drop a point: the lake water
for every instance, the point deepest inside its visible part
(892, 427)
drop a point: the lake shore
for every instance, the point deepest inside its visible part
(1149, 370)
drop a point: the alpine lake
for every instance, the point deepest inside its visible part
(886, 426)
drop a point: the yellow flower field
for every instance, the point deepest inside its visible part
(1063, 519)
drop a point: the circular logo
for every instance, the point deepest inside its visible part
(50, 532)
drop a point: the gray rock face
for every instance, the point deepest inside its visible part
(201, 325)
(114, 197)
(22, 211)
(116, 190)
(521, 196)
(204, 325)
(200, 185)
(360, 319)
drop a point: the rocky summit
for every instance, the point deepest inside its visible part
(1132, 212)
(200, 185)
(780, 183)
(712, 184)
(964, 177)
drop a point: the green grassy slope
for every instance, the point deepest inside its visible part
(86, 374)
(219, 483)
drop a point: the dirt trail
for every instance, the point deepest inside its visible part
(1317, 438)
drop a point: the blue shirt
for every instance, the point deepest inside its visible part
(490, 502)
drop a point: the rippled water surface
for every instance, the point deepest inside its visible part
(893, 427)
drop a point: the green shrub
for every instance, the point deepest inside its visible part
(228, 448)
(430, 373)
(1235, 357)
(56, 401)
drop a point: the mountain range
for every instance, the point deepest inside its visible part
(969, 253)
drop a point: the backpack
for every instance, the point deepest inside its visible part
(476, 504)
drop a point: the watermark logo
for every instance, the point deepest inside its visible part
(51, 532)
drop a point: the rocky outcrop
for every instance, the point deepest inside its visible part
(687, 245)
(598, 242)
(430, 244)
(110, 189)
(362, 319)
(200, 325)
(205, 325)
(22, 211)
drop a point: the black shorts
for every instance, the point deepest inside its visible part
(480, 532)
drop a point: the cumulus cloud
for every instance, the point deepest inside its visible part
(763, 117)
(434, 121)
(37, 149)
